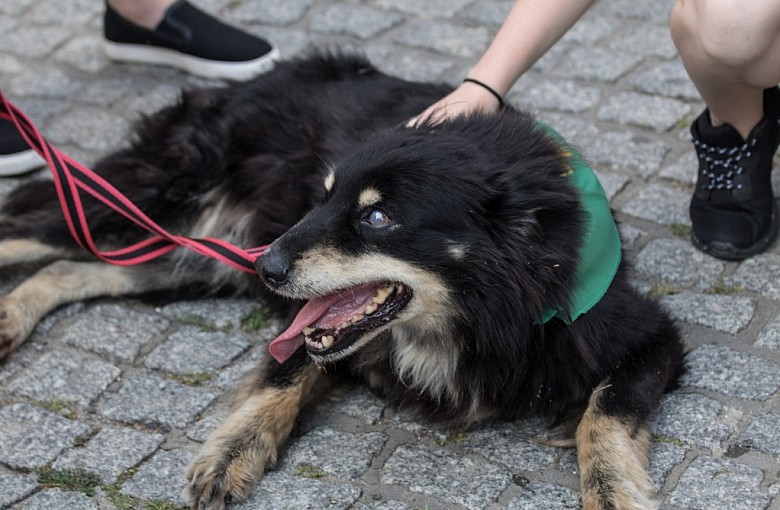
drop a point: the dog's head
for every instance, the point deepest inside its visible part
(424, 229)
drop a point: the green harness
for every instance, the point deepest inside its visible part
(601, 251)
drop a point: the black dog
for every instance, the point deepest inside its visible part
(429, 259)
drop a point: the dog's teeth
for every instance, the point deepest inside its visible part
(327, 341)
(370, 309)
(357, 318)
(308, 331)
(382, 294)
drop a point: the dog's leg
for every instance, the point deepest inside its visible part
(17, 251)
(61, 282)
(234, 457)
(612, 452)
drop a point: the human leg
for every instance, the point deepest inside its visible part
(731, 51)
(177, 34)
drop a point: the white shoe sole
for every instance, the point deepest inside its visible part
(20, 163)
(146, 54)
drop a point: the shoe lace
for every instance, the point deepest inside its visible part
(721, 165)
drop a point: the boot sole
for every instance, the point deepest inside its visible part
(147, 54)
(728, 251)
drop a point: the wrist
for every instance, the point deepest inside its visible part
(479, 83)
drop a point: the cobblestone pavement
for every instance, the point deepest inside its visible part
(125, 390)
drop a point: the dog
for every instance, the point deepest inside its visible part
(437, 264)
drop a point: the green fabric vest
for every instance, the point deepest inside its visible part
(601, 251)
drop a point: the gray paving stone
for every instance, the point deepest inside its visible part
(113, 331)
(718, 483)
(15, 488)
(451, 477)
(762, 435)
(694, 419)
(160, 478)
(385, 505)
(769, 338)
(660, 204)
(676, 262)
(412, 66)
(221, 314)
(50, 82)
(149, 400)
(612, 182)
(65, 376)
(759, 274)
(576, 130)
(340, 454)
(31, 437)
(560, 95)
(445, 38)
(663, 458)
(656, 11)
(625, 151)
(83, 53)
(668, 79)
(279, 490)
(202, 429)
(75, 11)
(427, 9)
(682, 170)
(590, 30)
(56, 499)
(111, 452)
(653, 40)
(359, 21)
(596, 64)
(730, 314)
(357, 403)
(35, 42)
(490, 13)
(269, 12)
(732, 373)
(545, 495)
(90, 128)
(505, 444)
(192, 350)
(659, 113)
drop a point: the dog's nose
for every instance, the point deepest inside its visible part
(273, 268)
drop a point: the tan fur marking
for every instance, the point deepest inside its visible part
(58, 283)
(330, 180)
(369, 197)
(613, 458)
(236, 454)
(14, 251)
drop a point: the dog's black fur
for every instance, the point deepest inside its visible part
(473, 221)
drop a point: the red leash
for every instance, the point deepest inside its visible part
(71, 177)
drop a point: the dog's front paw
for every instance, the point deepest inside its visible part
(13, 329)
(226, 469)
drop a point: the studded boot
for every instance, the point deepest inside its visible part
(733, 209)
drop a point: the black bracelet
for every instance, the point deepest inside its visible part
(488, 88)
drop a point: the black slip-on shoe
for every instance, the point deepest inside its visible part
(733, 210)
(16, 157)
(190, 40)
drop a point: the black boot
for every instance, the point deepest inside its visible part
(733, 209)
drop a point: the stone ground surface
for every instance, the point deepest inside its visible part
(126, 391)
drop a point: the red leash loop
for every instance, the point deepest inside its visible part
(70, 177)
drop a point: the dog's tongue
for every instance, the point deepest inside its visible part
(327, 311)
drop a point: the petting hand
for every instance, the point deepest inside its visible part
(470, 97)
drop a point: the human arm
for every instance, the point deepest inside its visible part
(529, 30)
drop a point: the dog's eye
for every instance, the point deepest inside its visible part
(377, 218)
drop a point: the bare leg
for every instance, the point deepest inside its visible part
(146, 13)
(731, 50)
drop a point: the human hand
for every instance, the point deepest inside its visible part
(468, 98)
